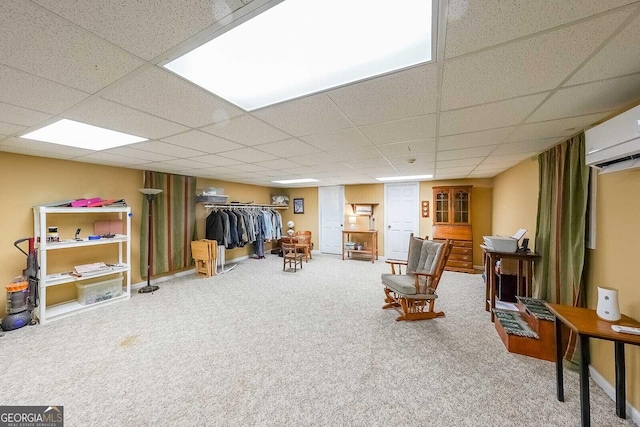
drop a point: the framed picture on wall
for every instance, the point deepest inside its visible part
(298, 206)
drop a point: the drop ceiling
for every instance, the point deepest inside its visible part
(510, 79)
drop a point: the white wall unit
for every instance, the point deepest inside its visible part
(121, 268)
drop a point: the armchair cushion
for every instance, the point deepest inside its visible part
(422, 254)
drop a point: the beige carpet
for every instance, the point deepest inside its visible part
(259, 346)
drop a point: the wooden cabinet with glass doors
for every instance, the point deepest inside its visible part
(452, 220)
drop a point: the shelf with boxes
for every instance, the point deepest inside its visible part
(91, 293)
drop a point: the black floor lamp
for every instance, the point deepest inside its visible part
(151, 194)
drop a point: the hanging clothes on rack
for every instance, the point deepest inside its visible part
(236, 226)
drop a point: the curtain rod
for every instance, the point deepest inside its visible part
(243, 205)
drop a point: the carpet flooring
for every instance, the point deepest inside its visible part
(261, 347)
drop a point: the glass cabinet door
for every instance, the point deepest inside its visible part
(461, 207)
(442, 207)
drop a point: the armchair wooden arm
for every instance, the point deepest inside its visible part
(398, 262)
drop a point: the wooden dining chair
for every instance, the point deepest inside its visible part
(303, 240)
(291, 256)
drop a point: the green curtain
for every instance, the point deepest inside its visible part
(173, 222)
(561, 225)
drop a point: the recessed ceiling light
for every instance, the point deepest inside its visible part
(405, 178)
(299, 47)
(81, 135)
(295, 181)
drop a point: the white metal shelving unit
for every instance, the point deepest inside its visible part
(121, 268)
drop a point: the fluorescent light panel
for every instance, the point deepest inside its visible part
(81, 135)
(405, 178)
(295, 181)
(299, 47)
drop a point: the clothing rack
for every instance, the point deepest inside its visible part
(243, 205)
(267, 226)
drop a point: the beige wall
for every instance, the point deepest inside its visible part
(611, 265)
(30, 181)
(307, 221)
(515, 198)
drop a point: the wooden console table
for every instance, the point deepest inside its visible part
(525, 265)
(371, 237)
(586, 323)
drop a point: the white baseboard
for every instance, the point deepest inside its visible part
(632, 413)
(136, 286)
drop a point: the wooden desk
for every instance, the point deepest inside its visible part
(525, 264)
(369, 236)
(586, 323)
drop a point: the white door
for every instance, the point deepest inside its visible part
(331, 202)
(402, 210)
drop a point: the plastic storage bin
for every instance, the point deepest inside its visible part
(92, 293)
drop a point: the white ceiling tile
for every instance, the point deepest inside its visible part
(305, 116)
(313, 159)
(9, 129)
(248, 155)
(407, 93)
(30, 91)
(140, 26)
(139, 154)
(463, 170)
(337, 139)
(445, 164)
(61, 151)
(474, 139)
(494, 167)
(420, 160)
(202, 141)
(281, 164)
(356, 154)
(465, 153)
(511, 159)
(166, 149)
(110, 115)
(104, 158)
(538, 145)
(249, 167)
(617, 58)
(21, 116)
(58, 50)
(219, 170)
(554, 128)
(187, 163)
(166, 95)
(163, 167)
(34, 152)
(447, 174)
(417, 168)
(377, 172)
(287, 148)
(217, 160)
(368, 163)
(589, 98)
(408, 148)
(523, 68)
(489, 116)
(473, 25)
(410, 129)
(485, 174)
(246, 130)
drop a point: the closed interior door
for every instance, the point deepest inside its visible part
(402, 215)
(331, 202)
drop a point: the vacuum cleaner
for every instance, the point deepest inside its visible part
(22, 292)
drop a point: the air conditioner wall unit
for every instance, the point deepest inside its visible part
(615, 144)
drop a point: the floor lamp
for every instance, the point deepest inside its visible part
(151, 194)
